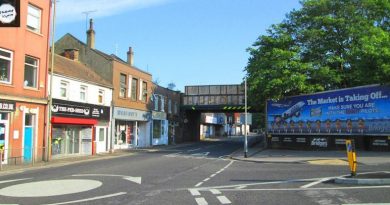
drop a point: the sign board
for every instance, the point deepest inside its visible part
(9, 13)
(81, 110)
(7, 106)
(360, 110)
(130, 114)
(159, 115)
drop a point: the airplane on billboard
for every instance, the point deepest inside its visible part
(294, 111)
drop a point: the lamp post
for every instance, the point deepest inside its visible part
(246, 123)
(50, 100)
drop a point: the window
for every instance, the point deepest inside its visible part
(5, 66)
(169, 106)
(134, 86)
(83, 93)
(156, 128)
(162, 104)
(64, 89)
(156, 102)
(34, 18)
(122, 92)
(101, 96)
(30, 72)
(144, 91)
(175, 108)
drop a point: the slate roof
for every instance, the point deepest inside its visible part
(75, 69)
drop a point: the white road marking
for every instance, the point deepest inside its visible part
(215, 191)
(194, 192)
(315, 183)
(198, 184)
(90, 199)
(306, 189)
(241, 187)
(129, 178)
(50, 188)
(369, 204)
(205, 180)
(191, 150)
(224, 200)
(201, 154)
(201, 201)
(14, 180)
(213, 175)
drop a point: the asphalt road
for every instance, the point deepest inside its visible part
(197, 174)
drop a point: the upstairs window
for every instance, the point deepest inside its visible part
(64, 88)
(156, 102)
(83, 93)
(5, 66)
(169, 106)
(34, 18)
(162, 104)
(30, 72)
(101, 97)
(134, 86)
(144, 91)
(122, 92)
(175, 110)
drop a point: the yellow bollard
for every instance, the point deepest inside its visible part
(351, 153)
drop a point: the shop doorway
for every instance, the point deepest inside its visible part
(29, 122)
(101, 139)
(4, 140)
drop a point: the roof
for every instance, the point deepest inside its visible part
(75, 69)
(107, 56)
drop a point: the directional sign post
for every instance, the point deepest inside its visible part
(350, 145)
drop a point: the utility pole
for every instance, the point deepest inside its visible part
(246, 123)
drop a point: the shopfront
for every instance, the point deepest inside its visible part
(160, 128)
(77, 128)
(130, 128)
(6, 107)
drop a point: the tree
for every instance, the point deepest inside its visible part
(171, 86)
(327, 44)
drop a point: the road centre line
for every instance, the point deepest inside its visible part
(198, 184)
(201, 201)
(191, 150)
(90, 199)
(213, 175)
(205, 180)
(223, 200)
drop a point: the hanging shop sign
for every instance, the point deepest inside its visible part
(7, 106)
(82, 110)
(9, 13)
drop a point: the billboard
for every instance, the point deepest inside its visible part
(360, 110)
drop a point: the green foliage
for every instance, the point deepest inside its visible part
(327, 44)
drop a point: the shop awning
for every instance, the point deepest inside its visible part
(74, 121)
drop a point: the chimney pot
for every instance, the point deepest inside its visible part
(130, 56)
(72, 53)
(91, 35)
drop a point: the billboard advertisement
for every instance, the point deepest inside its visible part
(360, 110)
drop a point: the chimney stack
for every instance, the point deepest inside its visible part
(71, 53)
(130, 57)
(91, 35)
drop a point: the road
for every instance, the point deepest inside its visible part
(198, 174)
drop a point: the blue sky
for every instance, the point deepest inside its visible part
(187, 42)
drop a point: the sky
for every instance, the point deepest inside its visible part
(185, 42)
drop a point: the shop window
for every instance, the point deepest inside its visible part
(156, 128)
(134, 86)
(64, 87)
(83, 93)
(30, 72)
(5, 66)
(144, 91)
(101, 97)
(34, 18)
(3, 116)
(123, 85)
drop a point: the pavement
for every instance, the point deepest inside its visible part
(260, 154)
